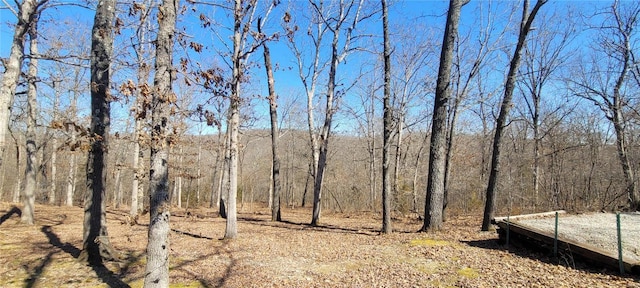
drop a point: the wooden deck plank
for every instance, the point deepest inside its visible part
(583, 250)
(528, 216)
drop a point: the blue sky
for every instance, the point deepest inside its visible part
(424, 18)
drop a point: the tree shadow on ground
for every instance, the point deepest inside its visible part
(37, 271)
(543, 253)
(286, 224)
(202, 280)
(55, 241)
(6, 216)
(222, 281)
(106, 275)
(191, 234)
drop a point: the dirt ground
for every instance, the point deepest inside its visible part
(345, 251)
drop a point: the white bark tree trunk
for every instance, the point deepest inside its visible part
(32, 113)
(12, 69)
(71, 174)
(231, 230)
(157, 268)
(137, 175)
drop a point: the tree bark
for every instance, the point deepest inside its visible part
(223, 187)
(178, 180)
(633, 195)
(387, 123)
(71, 174)
(325, 131)
(32, 113)
(73, 156)
(273, 113)
(231, 229)
(157, 268)
(137, 171)
(54, 151)
(140, 114)
(53, 197)
(13, 68)
(435, 182)
(501, 122)
(18, 187)
(95, 245)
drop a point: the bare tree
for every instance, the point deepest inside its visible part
(605, 81)
(95, 245)
(327, 18)
(338, 53)
(387, 122)
(142, 50)
(157, 268)
(435, 183)
(73, 159)
(501, 122)
(469, 60)
(32, 114)
(543, 57)
(309, 75)
(233, 124)
(273, 114)
(54, 143)
(26, 14)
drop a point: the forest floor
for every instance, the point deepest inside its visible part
(345, 251)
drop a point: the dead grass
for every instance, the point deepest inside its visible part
(346, 251)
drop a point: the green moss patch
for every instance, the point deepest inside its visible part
(468, 272)
(429, 242)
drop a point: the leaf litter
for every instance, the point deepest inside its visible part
(346, 250)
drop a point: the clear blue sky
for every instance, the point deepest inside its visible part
(425, 18)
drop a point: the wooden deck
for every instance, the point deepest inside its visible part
(521, 233)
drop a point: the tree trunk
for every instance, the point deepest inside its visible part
(223, 187)
(157, 268)
(118, 190)
(325, 132)
(137, 175)
(336, 57)
(32, 113)
(231, 230)
(449, 154)
(617, 118)
(18, 187)
(71, 174)
(95, 245)
(398, 155)
(273, 113)
(178, 181)
(414, 187)
(13, 68)
(54, 155)
(137, 193)
(73, 157)
(178, 191)
(198, 172)
(537, 141)
(435, 182)
(387, 122)
(501, 122)
(54, 151)
(213, 200)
